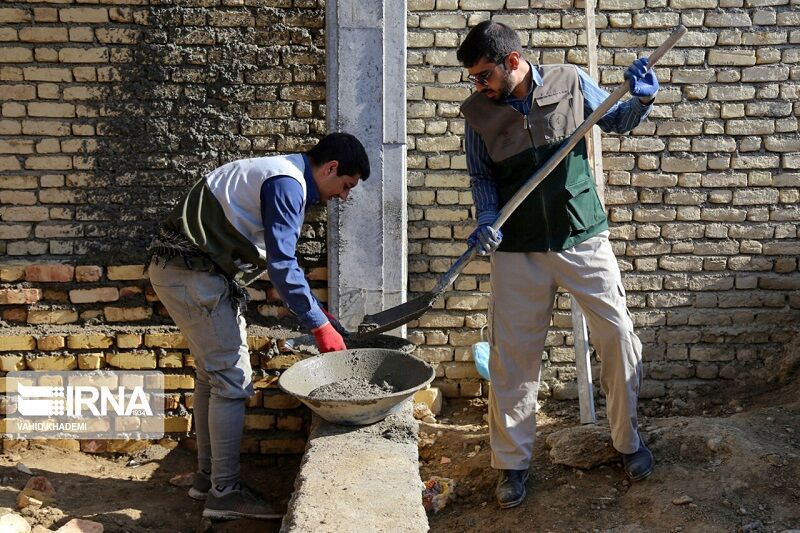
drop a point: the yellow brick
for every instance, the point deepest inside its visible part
(64, 444)
(132, 360)
(84, 14)
(53, 74)
(282, 446)
(280, 401)
(50, 381)
(83, 55)
(171, 360)
(91, 361)
(280, 362)
(100, 294)
(53, 362)
(11, 363)
(129, 340)
(127, 423)
(165, 340)
(24, 381)
(111, 381)
(127, 314)
(12, 272)
(265, 382)
(17, 342)
(126, 446)
(16, 55)
(258, 343)
(290, 423)
(127, 272)
(170, 424)
(83, 341)
(43, 35)
(178, 381)
(52, 316)
(256, 422)
(14, 16)
(88, 273)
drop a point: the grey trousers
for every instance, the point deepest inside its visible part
(200, 305)
(521, 307)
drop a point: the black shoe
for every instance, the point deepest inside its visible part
(510, 489)
(639, 464)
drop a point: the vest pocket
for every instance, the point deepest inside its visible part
(552, 118)
(583, 205)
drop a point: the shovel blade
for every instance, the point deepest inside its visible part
(396, 316)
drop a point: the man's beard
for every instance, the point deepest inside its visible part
(507, 86)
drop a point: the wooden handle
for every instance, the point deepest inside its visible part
(578, 134)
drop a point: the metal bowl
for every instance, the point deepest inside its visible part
(404, 372)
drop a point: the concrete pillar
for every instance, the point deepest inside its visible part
(366, 96)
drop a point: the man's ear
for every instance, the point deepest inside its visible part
(332, 167)
(513, 60)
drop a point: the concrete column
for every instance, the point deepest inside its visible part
(366, 96)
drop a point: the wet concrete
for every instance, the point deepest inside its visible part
(351, 388)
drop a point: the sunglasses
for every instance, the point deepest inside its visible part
(482, 78)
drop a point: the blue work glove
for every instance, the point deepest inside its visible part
(643, 82)
(485, 238)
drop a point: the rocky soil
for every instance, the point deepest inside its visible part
(731, 465)
(131, 492)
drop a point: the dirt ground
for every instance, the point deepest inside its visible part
(131, 492)
(735, 467)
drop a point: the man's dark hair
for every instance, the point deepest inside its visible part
(493, 40)
(345, 149)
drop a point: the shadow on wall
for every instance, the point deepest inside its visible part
(175, 109)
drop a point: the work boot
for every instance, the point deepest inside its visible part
(239, 502)
(639, 464)
(510, 489)
(200, 486)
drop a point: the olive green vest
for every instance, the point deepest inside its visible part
(564, 209)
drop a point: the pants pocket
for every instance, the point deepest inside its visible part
(175, 301)
(208, 291)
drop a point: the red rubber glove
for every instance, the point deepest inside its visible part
(328, 339)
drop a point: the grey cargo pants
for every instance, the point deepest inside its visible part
(200, 305)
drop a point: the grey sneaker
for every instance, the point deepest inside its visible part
(239, 503)
(510, 489)
(200, 486)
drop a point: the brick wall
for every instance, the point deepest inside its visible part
(110, 110)
(108, 318)
(703, 197)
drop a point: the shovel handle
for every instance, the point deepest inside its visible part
(579, 133)
(544, 171)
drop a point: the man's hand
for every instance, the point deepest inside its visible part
(334, 321)
(486, 238)
(328, 339)
(643, 82)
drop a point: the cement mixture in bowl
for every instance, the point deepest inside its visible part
(354, 388)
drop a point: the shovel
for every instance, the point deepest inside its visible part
(403, 313)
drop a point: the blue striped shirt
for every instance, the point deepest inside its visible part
(621, 118)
